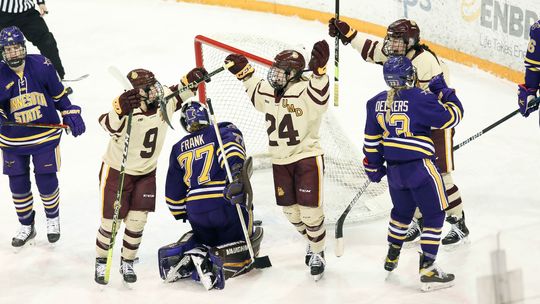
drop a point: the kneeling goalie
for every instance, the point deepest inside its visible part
(197, 190)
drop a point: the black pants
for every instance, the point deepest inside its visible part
(36, 31)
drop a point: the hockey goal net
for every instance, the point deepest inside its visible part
(344, 174)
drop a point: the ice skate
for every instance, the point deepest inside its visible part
(309, 253)
(99, 274)
(126, 269)
(26, 234)
(413, 233)
(316, 264)
(204, 269)
(53, 229)
(459, 233)
(432, 277)
(392, 257)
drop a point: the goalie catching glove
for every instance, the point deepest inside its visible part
(241, 68)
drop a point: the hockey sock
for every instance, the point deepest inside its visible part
(397, 231)
(292, 213)
(455, 206)
(135, 221)
(22, 198)
(313, 218)
(50, 193)
(103, 238)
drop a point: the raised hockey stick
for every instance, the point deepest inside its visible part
(117, 201)
(493, 125)
(339, 225)
(336, 62)
(195, 83)
(258, 262)
(35, 125)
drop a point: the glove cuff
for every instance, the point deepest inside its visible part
(248, 70)
(116, 106)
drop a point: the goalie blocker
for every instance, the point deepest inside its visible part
(227, 260)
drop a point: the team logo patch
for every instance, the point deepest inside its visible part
(9, 164)
(134, 75)
(280, 191)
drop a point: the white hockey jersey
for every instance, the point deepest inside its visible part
(426, 63)
(292, 121)
(148, 130)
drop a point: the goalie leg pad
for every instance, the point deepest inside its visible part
(234, 257)
(171, 255)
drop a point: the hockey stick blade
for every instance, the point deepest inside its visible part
(340, 246)
(262, 262)
(76, 79)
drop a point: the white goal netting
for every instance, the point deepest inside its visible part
(344, 174)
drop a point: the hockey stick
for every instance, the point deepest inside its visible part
(35, 125)
(76, 79)
(195, 83)
(339, 225)
(117, 201)
(336, 62)
(493, 125)
(258, 262)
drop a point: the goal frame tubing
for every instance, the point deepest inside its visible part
(201, 40)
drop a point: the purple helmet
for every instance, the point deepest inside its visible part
(399, 72)
(194, 116)
(12, 36)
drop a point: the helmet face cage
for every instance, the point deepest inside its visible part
(194, 116)
(399, 72)
(153, 93)
(12, 46)
(401, 36)
(277, 77)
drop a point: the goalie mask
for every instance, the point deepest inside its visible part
(145, 80)
(12, 46)
(401, 36)
(399, 72)
(194, 116)
(288, 66)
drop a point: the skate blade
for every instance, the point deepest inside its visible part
(452, 247)
(317, 277)
(29, 243)
(427, 287)
(128, 285)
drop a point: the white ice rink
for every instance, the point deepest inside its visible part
(497, 175)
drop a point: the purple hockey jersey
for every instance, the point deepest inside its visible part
(35, 96)
(403, 133)
(196, 176)
(532, 58)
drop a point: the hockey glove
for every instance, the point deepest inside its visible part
(374, 172)
(341, 28)
(526, 100)
(319, 58)
(72, 117)
(197, 74)
(234, 191)
(241, 68)
(437, 84)
(129, 100)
